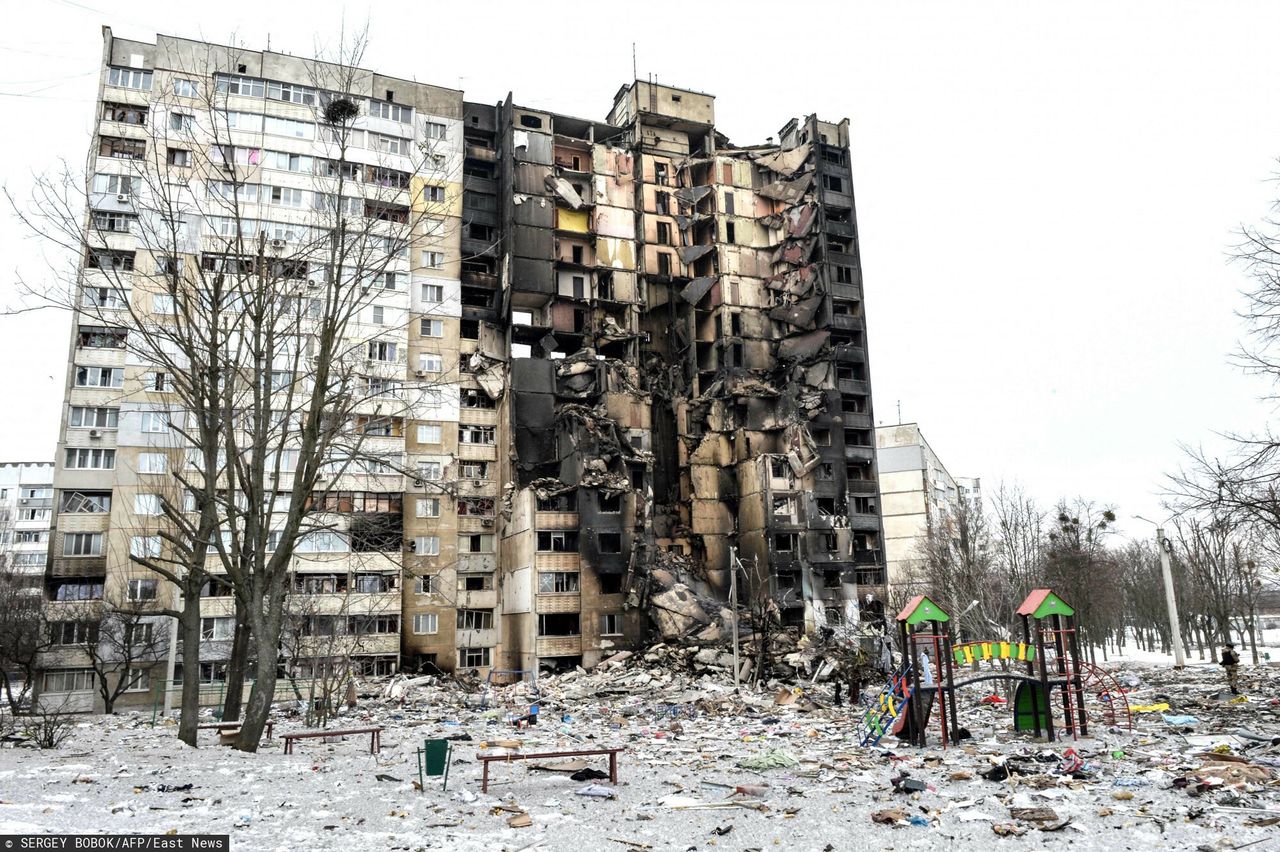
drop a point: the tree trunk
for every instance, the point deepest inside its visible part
(189, 627)
(237, 666)
(261, 696)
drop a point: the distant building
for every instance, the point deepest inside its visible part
(915, 491)
(26, 508)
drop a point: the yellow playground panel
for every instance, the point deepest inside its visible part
(970, 652)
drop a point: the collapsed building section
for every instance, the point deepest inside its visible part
(688, 379)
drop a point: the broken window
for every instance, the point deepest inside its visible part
(833, 183)
(530, 121)
(728, 203)
(609, 542)
(825, 505)
(559, 624)
(784, 506)
(470, 658)
(475, 543)
(831, 580)
(375, 583)
(660, 173)
(472, 398)
(664, 263)
(778, 467)
(844, 274)
(481, 507)
(864, 505)
(664, 233)
(784, 542)
(469, 329)
(729, 233)
(475, 582)
(557, 541)
(377, 532)
(469, 434)
(475, 619)
(609, 502)
(474, 470)
(830, 542)
(610, 584)
(662, 202)
(558, 582)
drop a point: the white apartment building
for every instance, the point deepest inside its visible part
(26, 513)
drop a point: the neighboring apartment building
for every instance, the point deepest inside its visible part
(646, 347)
(915, 492)
(26, 511)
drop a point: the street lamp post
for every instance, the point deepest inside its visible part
(1163, 545)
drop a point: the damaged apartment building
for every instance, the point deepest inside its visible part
(682, 325)
(645, 347)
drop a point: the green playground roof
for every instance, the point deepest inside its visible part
(919, 609)
(1042, 603)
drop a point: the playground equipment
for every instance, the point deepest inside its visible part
(1046, 667)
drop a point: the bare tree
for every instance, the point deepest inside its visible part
(122, 641)
(1080, 568)
(24, 638)
(254, 332)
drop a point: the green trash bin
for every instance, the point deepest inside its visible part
(433, 762)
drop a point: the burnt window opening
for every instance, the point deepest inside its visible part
(662, 202)
(854, 404)
(831, 579)
(604, 286)
(611, 503)
(826, 472)
(778, 467)
(729, 233)
(576, 254)
(839, 214)
(474, 297)
(833, 183)
(857, 472)
(857, 438)
(472, 398)
(728, 203)
(839, 244)
(664, 264)
(637, 477)
(784, 542)
(610, 584)
(660, 173)
(530, 121)
(844, 274)
(788, 581)
(469, 329)
(735, 324)
(865, 542)
(664, 233)
(557, 541)
(864, 505)
(830, 542)
(822, 437)
(825, 505)
(559, 624)
(609, 542)
(377, 532)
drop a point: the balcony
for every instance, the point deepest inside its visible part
(481, 153)
(854, 386)
(864, 523)
(856, 420)
(856, 453)
(479, 279)
(846, 322)
(862, 486)
(483, 599)
(557, 561)
(557, 520)
(851, 292)
(567, 602)
(559, 646)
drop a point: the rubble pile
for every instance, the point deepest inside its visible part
(704, 766)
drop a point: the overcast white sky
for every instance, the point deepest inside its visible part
(1046, 192)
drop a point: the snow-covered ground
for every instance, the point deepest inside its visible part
(684, 742)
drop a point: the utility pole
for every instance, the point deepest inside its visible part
(733, 608)
(1162, 544)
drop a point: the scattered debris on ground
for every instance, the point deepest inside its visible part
(773, 765)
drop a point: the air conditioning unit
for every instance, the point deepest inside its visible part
(486, 522)
(478, 483)
(95, 433)
(277, 244)
(312, 284)
(123, 197)
(422, 374)
(418, 483)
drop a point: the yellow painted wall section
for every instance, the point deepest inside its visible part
(572, 220)
(452, 205)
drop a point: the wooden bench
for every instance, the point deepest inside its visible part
(486, 759)
(231, 726)
(374, 732)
